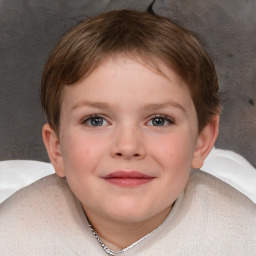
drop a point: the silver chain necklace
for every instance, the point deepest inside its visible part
(108, 250)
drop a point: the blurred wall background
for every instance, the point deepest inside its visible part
(30, 29)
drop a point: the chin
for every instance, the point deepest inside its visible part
(131, 214)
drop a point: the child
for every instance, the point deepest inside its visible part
(132, 105)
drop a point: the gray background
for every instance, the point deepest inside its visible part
(30, 28)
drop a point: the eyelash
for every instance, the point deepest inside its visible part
(96, 116)
(163, 117)
(93, 117)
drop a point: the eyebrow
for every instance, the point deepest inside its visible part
(90, 104)
(147, 107)
(156, 106)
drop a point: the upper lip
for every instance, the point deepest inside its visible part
(127, 174)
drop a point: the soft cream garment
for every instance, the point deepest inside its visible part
(211, 218)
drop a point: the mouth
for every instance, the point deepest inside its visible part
(128, 179)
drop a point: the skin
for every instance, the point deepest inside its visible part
(142, 121)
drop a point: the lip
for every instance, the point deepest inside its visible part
(128, 178)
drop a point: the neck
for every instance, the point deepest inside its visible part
(118, 235)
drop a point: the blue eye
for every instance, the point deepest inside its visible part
(160, 121)
(95, 120)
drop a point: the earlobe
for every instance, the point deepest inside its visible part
(205, 142)
(52, 144)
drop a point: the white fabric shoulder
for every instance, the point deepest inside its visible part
(233, 169)
(226, 165)
(16, 174)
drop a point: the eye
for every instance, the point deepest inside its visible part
(160, 120)
(95, 120)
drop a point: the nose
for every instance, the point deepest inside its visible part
(128, 144)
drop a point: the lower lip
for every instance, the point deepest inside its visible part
(129, 182)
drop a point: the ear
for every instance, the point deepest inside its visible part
(52, 144)
(205, 142)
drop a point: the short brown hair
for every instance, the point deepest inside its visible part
(141, 35)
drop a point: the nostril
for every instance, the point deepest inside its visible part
(132, 155)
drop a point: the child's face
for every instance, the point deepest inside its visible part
(128, 137)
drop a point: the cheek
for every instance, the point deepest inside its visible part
(174, 154)
(81, 152)
(177, 148)
(81, 156)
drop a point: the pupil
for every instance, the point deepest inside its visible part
(96, 121)
(158, 121)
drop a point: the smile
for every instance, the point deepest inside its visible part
(128, 179)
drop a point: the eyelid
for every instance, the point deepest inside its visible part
(87, 118)
(165, 117)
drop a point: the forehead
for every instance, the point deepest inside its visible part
(122, 79)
